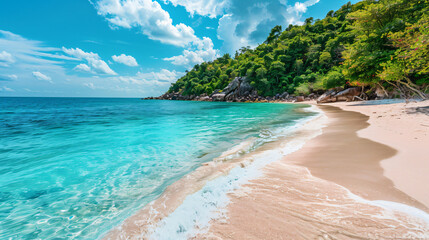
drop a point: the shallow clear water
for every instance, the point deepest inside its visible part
(72, 168)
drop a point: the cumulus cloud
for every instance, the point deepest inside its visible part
(157, 25)
(93, 59)
(83, 68)
(301, 7)
(6, 58)
(210, 8)
(124, 59)
(201, 50)
(248, 23)
(41, 76)
(149, 16)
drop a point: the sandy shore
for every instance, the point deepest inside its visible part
(332, 187)
(404, 127)
(362, 178)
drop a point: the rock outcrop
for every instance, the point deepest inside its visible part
(240, 90)
(349, 94)
(218, 97)
(337, 94)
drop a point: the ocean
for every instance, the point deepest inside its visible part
(74, 168)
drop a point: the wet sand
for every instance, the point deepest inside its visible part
(341, 156)
(323, 191)
(404, 127)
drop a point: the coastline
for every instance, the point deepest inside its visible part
(266, 198)
(300, 197)
(225, 173)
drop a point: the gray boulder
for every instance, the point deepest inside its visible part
(348, 94)
(232, 86)
(334, 95)
(218, 97)
(327, 96)
(238, 89)
(245, 88)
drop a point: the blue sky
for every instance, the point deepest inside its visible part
(129, 48)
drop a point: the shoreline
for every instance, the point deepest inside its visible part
(141, 224)
(231, 172)
(353, 161)
(404, 127)
(335, 198)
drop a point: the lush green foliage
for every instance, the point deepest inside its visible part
(370, 43)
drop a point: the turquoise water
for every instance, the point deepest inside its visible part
(73, 168)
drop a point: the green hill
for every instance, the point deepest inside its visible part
(374, 44)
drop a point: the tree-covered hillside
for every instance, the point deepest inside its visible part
(374, 44)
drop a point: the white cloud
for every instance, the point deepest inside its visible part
(210, 8)
(201, 51)
(226, 32)
(29, 52)
(246, 23)
(249, 25)
(301, 7)
(83, 68)
(101, 66)
(124, 59)
(29, 56)
(35, 60)
(93, 60)
(149, 16)
(79, 53)
(157, 25)
(41, 76)
(6, 58)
